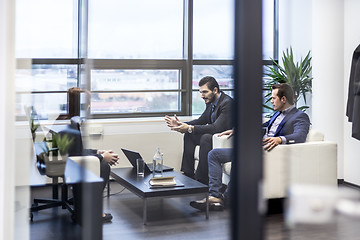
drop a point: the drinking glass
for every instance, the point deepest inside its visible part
(140, 167)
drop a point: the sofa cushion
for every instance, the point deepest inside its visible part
(314, 136)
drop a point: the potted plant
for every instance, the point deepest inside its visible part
(32, 121)
(58, 146)
(62, 143)
(296, 74)
(55, 154)
(33, 127)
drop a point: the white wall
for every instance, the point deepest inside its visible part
(7, 100)
(317, 25)
(139, 135)
(327, 48)
(295, 24)
(351, 41)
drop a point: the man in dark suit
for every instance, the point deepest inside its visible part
(216, 118)
(287, 126)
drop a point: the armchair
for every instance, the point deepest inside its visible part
(312, 162)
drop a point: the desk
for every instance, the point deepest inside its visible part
(139, 185)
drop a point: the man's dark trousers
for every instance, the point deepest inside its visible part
(188, 162)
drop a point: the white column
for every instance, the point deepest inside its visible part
(328, 72)
(317, 25)
(295, 24)
(7, 103)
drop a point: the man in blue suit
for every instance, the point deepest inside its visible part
(287, 126)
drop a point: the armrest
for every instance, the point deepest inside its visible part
(222, 142)
(218, 142)
(303, 163)
(313, 163)
(275, 171)
(90, 163)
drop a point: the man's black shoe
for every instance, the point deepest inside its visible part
(107, 218)
(215, 204)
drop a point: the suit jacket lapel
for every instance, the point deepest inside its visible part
(273, 119)
(217, 106)
(286, 118)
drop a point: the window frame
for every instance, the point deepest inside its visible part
(184, 65)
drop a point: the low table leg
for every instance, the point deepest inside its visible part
(144, 211)
(207, 207)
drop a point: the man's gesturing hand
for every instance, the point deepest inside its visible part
(172, 122)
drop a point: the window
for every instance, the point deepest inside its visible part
(120, 29)
(134, 91)
(33, 85)
(269, 28)
(213, 29)
(140, 61)
(46, 29)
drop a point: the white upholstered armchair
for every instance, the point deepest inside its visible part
(312, 162)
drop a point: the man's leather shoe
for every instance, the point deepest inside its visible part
(215, 204)
(107, 218)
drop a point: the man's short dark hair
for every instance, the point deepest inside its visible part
(211, 83)
(286, 90)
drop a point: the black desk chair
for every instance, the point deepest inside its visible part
(54, 169)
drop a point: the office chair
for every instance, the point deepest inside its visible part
(53, 169)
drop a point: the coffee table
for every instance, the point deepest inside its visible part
(128, 178)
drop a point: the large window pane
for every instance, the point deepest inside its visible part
(268, 29)
(213, 29)
(46, 29)
(102, 80)
(222, 73)
(135, 80)
(41, 80)
(110, 103)
(46, 78)
(46, 105)
(136, 29)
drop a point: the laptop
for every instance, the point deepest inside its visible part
(132, 156)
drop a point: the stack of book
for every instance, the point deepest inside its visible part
(162, 181)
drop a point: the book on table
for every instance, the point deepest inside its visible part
(162, 181)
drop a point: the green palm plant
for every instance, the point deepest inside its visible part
(62, 143)
(297, 75)
(33, 127)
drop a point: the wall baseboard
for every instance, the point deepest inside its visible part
(354, 186)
